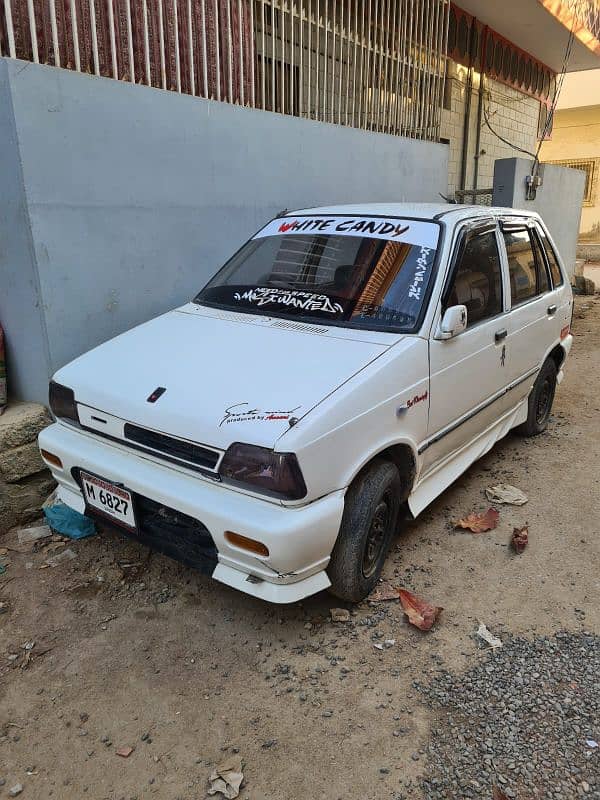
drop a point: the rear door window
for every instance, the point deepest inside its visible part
(528, 274)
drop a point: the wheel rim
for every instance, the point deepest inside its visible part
(544, 402)
(377, 536)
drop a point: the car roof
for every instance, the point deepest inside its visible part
(448, 211)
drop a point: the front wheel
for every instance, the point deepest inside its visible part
(540, 401)
(370, 519)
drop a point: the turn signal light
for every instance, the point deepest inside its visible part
(244, 543)
(51, 458)
(565, 332)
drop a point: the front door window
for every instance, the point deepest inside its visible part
(477, 283)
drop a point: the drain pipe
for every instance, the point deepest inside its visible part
(480, 112)
(467, 119)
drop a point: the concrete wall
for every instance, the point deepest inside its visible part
(20, 302)
(135, 196)
(558, 200)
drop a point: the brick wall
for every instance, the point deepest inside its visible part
(512, 114)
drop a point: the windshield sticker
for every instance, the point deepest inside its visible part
(306, 301)
(416, 288)
(240, 412)
(424, 234)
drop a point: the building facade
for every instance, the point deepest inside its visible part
(478, 76)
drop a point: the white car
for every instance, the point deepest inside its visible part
(346, 364)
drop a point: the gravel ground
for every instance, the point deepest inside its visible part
(520, 720)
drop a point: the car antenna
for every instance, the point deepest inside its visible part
(281, 213)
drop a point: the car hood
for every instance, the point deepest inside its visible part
(228, 377)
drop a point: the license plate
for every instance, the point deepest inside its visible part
(108, 499)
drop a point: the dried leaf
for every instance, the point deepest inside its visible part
(504, 493)
(520, 539)
(479, 523)
(384, 592)
(226, 778)
(488, 637)
(420, 614)
(498, 794)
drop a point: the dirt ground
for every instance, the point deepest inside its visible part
(136, 650)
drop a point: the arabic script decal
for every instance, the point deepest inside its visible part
(241, 412)
(307, 301)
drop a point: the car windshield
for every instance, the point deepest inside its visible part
(362, 272)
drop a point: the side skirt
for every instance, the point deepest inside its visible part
(443, 475)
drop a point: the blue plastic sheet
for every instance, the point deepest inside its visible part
(68, 522)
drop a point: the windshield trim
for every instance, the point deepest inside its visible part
(398, 329)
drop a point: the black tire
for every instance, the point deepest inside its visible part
(370, 519)
(540, 401)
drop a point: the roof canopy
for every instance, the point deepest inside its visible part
(542, 28)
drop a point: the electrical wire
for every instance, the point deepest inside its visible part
(559, 85)
(502, 139)
(547, 126)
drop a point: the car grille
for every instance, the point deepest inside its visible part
(174, 534)
(172, 448)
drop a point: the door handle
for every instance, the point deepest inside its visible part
(552, 310)
(499, 336)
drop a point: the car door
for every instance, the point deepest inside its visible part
(533, 322)
(467, 376)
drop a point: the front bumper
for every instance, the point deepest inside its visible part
(299, 539)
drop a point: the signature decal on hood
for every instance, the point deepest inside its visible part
(307, 301)
(241, 412)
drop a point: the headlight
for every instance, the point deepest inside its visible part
(274, 474)
(62, 402)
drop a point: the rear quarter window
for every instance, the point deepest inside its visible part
(555, 271)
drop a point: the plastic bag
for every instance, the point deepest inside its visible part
(69, 522)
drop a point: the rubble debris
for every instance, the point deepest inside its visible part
(383, 592)
(506, 494)
(520, 539)
(340, 615)
(15, 790)
(488, 637)
(27, 535)
(420, 613)
(51, 500)
(480, 523)
(125, 751)
(60, 558)
(227, 778)
(69, 522)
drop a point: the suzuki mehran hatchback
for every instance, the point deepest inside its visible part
(346, 364)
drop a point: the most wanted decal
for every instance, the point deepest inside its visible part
(418, 232)
(294, 298)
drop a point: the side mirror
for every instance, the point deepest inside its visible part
(453, 322)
